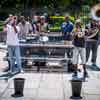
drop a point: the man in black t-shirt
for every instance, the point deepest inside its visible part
(92, 41)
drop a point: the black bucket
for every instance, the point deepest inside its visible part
(18, 87)
(76, 89)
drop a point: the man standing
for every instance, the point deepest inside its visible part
(25, 28)
(13, 45)
(92, 41)
(66, 29)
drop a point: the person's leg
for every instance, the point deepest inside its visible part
(88, 49)
(83, 55)
(83, 58)
(69, 52)
(11, 59)
(8, 67)
(68, 56)
(75, 60)
(18, 58)
(94, 52)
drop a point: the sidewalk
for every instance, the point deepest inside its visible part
(52, 86)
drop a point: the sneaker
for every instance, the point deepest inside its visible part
(94, 65)
(86, 75)
(74, 74)
(21, 71)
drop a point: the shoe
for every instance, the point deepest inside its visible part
(94, 65)
(86, 75)
(74, 74)
(21, 71)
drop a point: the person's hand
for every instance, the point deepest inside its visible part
(80, 34)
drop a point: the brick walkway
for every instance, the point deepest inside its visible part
(42, 86)
(50, 86)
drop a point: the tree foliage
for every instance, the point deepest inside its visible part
(72, 5)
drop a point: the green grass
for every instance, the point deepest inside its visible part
(1, 26)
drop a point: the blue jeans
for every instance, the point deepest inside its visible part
(14, 55)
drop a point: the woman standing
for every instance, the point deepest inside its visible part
(79, 48)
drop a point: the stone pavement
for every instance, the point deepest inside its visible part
(51, 86)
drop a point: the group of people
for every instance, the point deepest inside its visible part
(17, 29)
(83, 37)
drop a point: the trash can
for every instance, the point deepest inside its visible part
(76, 89)
(18, 87)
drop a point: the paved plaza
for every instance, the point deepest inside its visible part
(50, 86)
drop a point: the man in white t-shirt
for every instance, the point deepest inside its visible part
(13, 45)
(25, 28)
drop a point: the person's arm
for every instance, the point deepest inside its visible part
(5, 29)
(39, 27)
(94, 34)
(14, 26)
(18, 29)
(30, 28)
(15, 29)
(83, 32)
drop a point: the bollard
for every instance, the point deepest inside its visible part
(76, 89)
(18, 87)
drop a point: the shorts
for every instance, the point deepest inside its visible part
(79, 51)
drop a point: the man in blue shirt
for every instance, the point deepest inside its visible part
(92, 34)
(66, 29)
